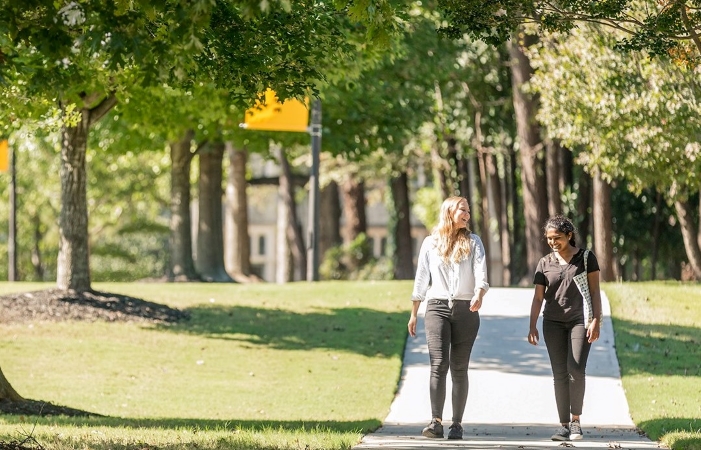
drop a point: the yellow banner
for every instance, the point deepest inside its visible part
(292, 115)
(4, 156)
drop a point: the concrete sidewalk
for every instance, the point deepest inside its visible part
(511, 403)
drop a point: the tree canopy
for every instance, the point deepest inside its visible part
(660, 27)
(634, 117)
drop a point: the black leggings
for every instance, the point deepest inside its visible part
(450, 334)
(568, 349)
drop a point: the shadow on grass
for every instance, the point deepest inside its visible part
(332, 426)
(359, 330)
(40, 408)
(658, 349)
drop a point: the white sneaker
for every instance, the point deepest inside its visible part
(575, 431)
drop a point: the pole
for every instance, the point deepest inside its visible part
(12, 232)
(313, 222)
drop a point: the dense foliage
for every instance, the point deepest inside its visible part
(666, 27)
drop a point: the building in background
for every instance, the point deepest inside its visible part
(263, 232)
(263, 208)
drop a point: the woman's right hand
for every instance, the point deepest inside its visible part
(533, 336)
(412, 325)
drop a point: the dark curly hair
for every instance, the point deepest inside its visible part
(563, 225)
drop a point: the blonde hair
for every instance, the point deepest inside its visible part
(452, 242)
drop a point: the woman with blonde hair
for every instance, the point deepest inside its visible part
(451, 276)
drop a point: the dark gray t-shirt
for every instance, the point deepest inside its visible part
(563, 301)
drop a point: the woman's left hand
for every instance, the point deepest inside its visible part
(475, 303)
(594, 330)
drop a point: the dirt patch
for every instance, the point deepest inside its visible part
(27, 443)
(56, 305)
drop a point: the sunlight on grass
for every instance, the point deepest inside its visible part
(73, 438)
(657, 343)
(256, 366)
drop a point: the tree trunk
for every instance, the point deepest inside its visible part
(505, 235)
(73, 271)
(353, 193)
(403, 254)
(484, 213)
(689, 235)
(491, 221)
(698, 232)
(530, 145)
(182, 266)
(603, 233)
(210, 232)
(519, 270)
(566, 163)
(7, 392)
(473, 190)
(656, 235)
(498, 265)
(495, 197)
(237, 251)
(451, 160)
(552, 170)
(463, 169)
(37, 260)
(439, 165)
(583, 204)
(294, 232)
(73, 268)
(283, 262)
(330, 210)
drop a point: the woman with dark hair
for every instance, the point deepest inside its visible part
(571, 318)
(451, 276)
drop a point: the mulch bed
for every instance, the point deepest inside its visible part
(27, 443)
(58, 305)
(54, 305)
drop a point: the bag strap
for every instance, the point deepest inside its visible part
(586, 258)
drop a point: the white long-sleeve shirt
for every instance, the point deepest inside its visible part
(453, 281)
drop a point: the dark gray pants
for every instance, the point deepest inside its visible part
(568, 349)
(450, 334)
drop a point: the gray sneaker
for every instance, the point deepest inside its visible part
(575, 431)
(562, 434)
(434, 430)
(455, 431)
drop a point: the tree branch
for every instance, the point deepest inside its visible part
(567, 16)
(473, 100)
(687, 25)
(98, 111)
(89, 99)
(561, 15)
(200, 147)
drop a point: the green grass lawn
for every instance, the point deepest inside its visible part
(296, 366)
(265, 366)
(658, 343)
